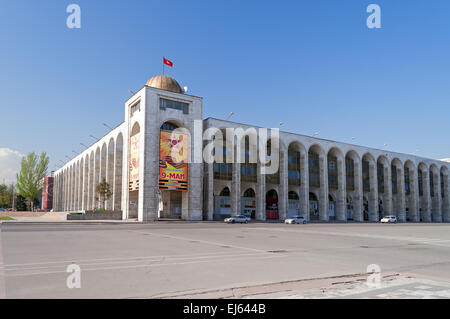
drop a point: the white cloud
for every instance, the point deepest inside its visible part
(9, 165)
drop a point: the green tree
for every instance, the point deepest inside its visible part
(29, 180)
(6, 195)
(20, 203)
(103, 191)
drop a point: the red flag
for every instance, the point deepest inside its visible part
(167, 62)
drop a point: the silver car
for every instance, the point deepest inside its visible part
(389, 219)
(237, 219)
(295, 220)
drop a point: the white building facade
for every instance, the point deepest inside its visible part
(319, 179)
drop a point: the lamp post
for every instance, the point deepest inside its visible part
(106, 125)
(95, 138)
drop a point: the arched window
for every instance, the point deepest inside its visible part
(294, 172)
(293, 195)
(332, 172)
(249, 193)
(272, 178)
(314, 169)
(168, 126)
(225, 192)
(248, 170)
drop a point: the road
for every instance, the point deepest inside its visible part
(207, 259)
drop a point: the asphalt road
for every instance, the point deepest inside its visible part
(175, 259)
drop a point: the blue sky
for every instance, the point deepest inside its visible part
(313, 65)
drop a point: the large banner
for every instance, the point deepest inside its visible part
(134, 163)
(173, 156)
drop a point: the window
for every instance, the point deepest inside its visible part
(366, 176)
(136, 107)
(407, 183)
(394, 179)
(350, 174)
(168, 104)
(380, 177)
(332, 172)
(294, 167)
(271, 178)
(314, 170)
(419, 174)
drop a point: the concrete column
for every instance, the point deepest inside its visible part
(323, 192)
(373, 195)
(195, 191)
(260, 194)
(118, 172)
(426, 197)
(413, 196)
(284, 188)
(358, 193)
(85, 183)
(66, 190)
(235, 188)
(304, 185)
(209, 191)
(446, 204)
(110, 174)
(69, 189)
(436, 205)
(341, 200)
(401, 212)
(387, 196)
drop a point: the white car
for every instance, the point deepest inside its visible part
(295, 220)
(389, 219)
(237, 219)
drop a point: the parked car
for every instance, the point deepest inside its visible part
(295, 220)
(237, 219)
(389, 219)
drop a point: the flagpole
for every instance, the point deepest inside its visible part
(163, 65)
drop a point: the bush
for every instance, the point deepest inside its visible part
(100, 210)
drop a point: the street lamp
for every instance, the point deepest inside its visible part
(230, 115)
(316, 133)
(96, 139)
(83, 145)
(74, 152)
(106, 125)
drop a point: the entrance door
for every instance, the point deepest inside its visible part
(271, 205)
(331, 208)
(313, 207)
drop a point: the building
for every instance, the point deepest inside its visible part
(319, 179)
(47, 193)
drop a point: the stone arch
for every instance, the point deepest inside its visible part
(398, 189)
(336, 182)
(435, 193)
(354, 184)
(370, 185)
(384, 186)
(318, 177)
(423, 178)
(411, 192)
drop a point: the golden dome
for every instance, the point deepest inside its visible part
(164, 82)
